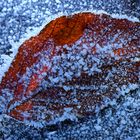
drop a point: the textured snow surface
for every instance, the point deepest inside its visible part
(20, 19)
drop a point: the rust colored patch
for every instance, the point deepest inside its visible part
(102, 30)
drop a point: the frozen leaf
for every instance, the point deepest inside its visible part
(93, 60)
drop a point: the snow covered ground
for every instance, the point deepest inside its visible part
(18, 18)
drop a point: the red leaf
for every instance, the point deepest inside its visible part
(102, 52)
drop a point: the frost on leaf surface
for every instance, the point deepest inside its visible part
(73, 67)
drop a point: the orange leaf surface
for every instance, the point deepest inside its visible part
(73, 66)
